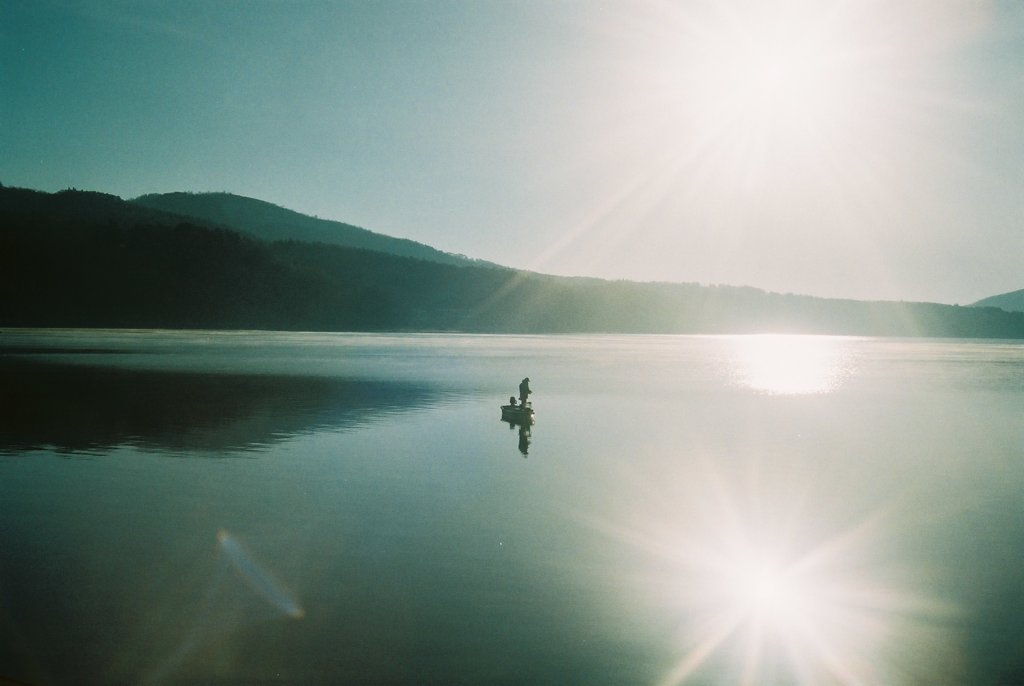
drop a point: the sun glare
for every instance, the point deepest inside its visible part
(780, 602)
(751, 139)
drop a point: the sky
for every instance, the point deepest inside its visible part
(867, 149)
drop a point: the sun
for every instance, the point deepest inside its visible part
(781, 95)
(776, 91)
(779, 85)
(764, 143)
(768, 593)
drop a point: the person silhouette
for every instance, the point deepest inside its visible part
(524, 391)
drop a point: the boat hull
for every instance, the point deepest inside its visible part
(517, 414)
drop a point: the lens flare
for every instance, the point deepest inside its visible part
(257, 578)
(227, 606)
(768, 590)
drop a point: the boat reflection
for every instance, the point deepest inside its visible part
(94, 408)
(524, 437)
(522, 424)
(519, 417)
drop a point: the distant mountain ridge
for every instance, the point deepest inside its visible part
(266, 221)
(83, 259)
(1011, 302)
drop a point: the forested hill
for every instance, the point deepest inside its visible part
(75, 259)
(1011, 302)
(268, 222)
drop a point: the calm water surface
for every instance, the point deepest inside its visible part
(312, 508)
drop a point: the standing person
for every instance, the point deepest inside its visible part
(524, 391)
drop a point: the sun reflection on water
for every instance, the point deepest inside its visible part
(790, 364)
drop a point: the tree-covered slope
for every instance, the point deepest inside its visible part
(91, 260)
(269, 222)
(1011, 302)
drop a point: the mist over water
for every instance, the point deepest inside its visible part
(313, 508)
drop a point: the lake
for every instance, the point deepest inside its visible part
(247, 507)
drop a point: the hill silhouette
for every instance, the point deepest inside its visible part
(269, 222)
(77, 259)
(1011, 302)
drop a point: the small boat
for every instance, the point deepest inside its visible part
(517, 414)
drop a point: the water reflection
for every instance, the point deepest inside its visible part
(91, 408)
(525, 434)
(790, 364)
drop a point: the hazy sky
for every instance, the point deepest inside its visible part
(853, 148)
